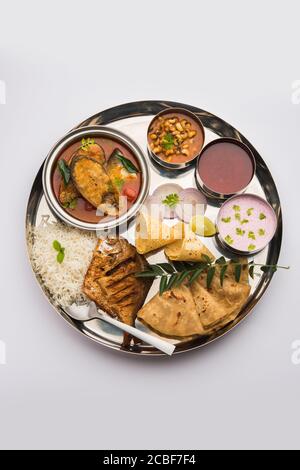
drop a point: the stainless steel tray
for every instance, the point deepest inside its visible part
(133, 119)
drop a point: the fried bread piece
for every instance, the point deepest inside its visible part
(196, 310)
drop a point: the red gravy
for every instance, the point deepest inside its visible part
(225, 168)
(83, 210)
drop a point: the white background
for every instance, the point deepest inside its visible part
(64, 61)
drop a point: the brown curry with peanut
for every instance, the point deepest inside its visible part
(175, 137)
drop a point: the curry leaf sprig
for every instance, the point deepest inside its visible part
(64, 171)
(174, 274)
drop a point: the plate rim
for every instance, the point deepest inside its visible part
(218, 126)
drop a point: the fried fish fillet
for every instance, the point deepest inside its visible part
(110, 281)
(94, 184)
(68, 193)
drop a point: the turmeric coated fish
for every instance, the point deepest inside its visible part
(93, 183)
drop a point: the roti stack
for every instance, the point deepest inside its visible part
(195, 310)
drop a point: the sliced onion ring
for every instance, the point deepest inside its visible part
(160, 195)
(192, 203)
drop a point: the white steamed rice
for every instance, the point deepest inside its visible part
(63, 281)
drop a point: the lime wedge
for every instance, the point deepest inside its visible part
(203, 226)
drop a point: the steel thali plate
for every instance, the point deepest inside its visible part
(133, 119)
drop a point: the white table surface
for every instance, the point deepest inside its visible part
(64, 61)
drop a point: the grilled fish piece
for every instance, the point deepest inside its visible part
(93, 183)
(110, 280)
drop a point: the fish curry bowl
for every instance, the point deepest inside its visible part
(154, 228)
(95, 178)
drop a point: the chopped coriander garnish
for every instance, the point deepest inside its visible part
(250, 211)
(238, 216)
(261, 232)
(245, 221)
(226, 220)
(71, 205)
(236, 208)
(168, 141)
(251, 247)
(118, 182)
(262, 216)
(85, 144)
(171, 200)
(240, 232)
(229, 240)
(251, 235)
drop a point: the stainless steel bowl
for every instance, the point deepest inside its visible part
(208, 191)
(169, 165)
(230, 248)
(90, 132)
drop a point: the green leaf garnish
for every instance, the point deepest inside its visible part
(56, 245)
(245, 221)
(206, 259)
(240, 232)
(229, 240)
(171, 200)
(60, 257)
(266, 269)
(168, 268)
(238, 216)
(262, 216)
(173, 281)
(251, 235)
(251, 247)
(222, 274)
(250, 211)
(168, 141)
(237, 208)
(238, 272)
(196, 274)
(261, 232)
(61, 251)
(64, 170)
(119, 182)
(226, 220)
(127, 164)
(71, 205)
(174, 274)
(85, 144)
(163, 284)
(210, 275)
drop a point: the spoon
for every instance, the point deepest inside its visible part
(91, 312)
